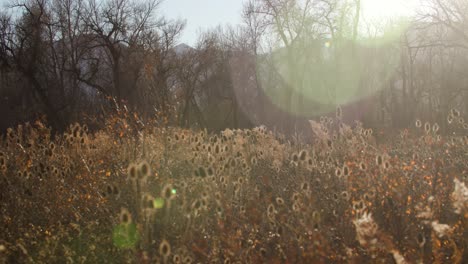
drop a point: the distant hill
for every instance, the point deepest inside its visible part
(182, 48)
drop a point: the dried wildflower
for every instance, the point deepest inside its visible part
(76, 130)
(241, 180)
(125, 216)
(421, 240)
(363, 166)
(196, 205)
(222, 179)
(449, 119)
(441, 230)
(435, 127)
(144, 170)
(254, 161)
(296, 207)
(303, 155)
(176, 258)
(399, 259)
(338, 172)
(339, 112)
(165, 248)
(358, 205)
(418, 123)
(168, 192)
(295, 158)
(188, 260)
(271, 209)
(279, 201)
(148, 201)
(345, 195)
(379, 160)
(427, 127)
(345, 170)
(296, 196)
(132, 171)
(460, 197)
(424, 212)
(366, 229)
(386, 165)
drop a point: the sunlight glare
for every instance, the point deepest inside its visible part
(378, 10)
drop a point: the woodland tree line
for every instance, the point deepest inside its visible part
(289, 61)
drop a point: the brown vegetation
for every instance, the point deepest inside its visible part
(140, 193)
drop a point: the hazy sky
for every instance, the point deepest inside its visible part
(209, 13)
(203, 14)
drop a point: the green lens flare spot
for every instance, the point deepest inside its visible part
(125, 236)
(174, 191)
(158, 203)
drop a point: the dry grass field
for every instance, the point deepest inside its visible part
(138, 193)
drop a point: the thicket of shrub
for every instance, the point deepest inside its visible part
(136, 192)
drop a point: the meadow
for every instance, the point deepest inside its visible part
(137, 192)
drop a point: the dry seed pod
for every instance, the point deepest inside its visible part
(345, 170)
(125, 216)
(144, 170)
(418, 123)
(449, 119)
(279, 201)
(168, 192)
(295, 157)
(132, 171)
(338, 172)
(165, 249)
(379, 160)
(427, 127)
(303, 155)
(362, 166)
(339, 112)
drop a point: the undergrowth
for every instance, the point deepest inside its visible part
(140, 193)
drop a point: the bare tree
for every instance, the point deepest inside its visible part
(25, 43)
(160, 66)
(73, 52)
(118, 26)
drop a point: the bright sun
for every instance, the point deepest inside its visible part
(376, 10)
